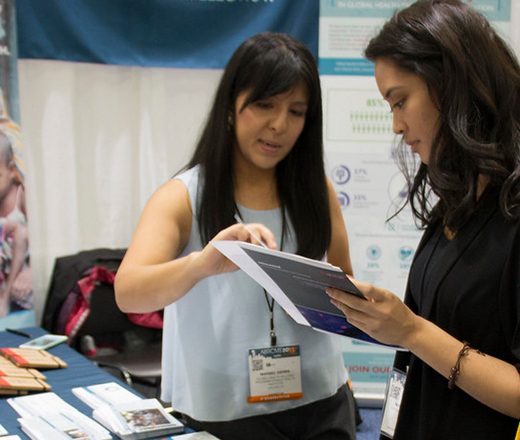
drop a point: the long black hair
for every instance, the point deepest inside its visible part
(267, 64)
(474, 78)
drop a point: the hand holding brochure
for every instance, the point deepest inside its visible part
(298, 284)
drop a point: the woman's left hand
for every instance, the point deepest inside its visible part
(383, 316)
(386, 318)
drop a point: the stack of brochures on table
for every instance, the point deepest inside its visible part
(15, 380)
(47, 416)
(18, 370)
(31, 358)
(126, 414)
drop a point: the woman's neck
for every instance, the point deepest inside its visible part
(256, 189)
(482, 183)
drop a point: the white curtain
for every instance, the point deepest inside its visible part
(99, 140)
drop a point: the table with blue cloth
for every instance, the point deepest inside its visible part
(80, 372)
(83, 372)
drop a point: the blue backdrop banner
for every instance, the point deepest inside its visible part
(160, 33)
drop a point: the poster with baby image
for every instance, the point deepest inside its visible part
(16, 287)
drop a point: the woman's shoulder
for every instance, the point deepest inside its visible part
(190, 181)
(188, 175)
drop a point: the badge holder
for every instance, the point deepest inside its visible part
(392, 403)
(275, 374)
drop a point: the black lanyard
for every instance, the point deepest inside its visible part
(270, 304)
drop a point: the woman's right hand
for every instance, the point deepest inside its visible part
(213, 262)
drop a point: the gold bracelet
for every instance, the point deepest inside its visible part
(455, 370)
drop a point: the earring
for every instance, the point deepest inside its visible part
(230, 120)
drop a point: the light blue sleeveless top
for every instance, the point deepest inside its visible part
(208, 332)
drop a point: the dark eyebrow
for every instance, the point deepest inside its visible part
(391, 90)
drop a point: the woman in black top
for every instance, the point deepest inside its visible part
(453, 86)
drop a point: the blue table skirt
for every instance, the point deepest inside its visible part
(79, 372)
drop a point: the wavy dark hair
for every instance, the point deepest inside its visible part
(474, 78)
(267, 64)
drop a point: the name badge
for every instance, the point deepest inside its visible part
(275, 374)
(392, 403)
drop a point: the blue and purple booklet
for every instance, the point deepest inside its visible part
(298, 285)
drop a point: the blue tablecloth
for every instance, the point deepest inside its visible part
(79, 372)
(82, 372)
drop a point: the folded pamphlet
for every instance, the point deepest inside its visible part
(126, 414)
(47, 416)
(143, 419)
(108, 393)
(298, 285)
(30, 358)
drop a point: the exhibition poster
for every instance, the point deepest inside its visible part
(16, 287)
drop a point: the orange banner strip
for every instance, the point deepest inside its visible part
(274, 397)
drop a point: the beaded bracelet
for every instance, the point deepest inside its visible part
(455, 370)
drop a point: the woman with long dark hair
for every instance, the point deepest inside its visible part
(453, 86)
(259, 158)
